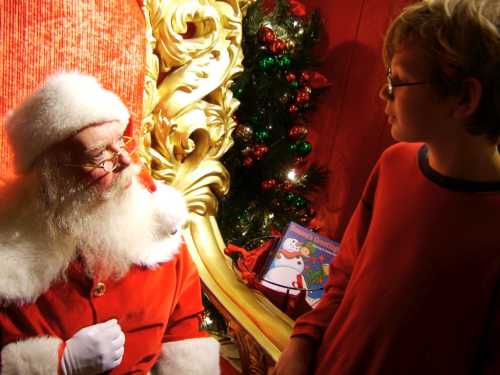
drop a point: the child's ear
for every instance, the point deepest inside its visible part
(468, 101)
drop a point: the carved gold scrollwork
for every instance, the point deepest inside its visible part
(193, 51)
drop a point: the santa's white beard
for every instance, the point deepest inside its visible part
(109, 230)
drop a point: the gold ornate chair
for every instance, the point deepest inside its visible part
(194, 51)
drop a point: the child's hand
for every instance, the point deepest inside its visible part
(297, 358)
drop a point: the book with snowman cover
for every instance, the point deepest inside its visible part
(300, 261)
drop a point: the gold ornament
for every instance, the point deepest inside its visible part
(243, 132)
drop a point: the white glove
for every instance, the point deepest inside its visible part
(94, 349)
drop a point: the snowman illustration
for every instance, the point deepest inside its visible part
(285, 271)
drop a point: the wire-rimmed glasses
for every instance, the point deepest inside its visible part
(111, 163)
(390, 85)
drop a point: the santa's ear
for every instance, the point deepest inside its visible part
(469, 99)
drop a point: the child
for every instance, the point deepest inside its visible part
(415, 288)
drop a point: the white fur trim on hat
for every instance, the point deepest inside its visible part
(199, 356)
(35, 356)
(65, 104)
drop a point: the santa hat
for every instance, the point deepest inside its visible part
(65, 104)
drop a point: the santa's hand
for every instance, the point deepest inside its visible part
(94, 349)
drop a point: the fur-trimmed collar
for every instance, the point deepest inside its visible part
(30, 262)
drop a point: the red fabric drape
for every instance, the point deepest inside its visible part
(349, 128)
(104, 38)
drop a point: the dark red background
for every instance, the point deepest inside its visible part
(349, 128)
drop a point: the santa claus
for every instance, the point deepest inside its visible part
(94, 275)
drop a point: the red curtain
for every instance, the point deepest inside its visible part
(104, 38)
(349, 128)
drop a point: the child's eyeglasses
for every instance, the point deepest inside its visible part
(111, 163)
(389, 87)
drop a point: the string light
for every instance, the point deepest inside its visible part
(292, 175)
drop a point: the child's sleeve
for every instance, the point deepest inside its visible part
(314, 323)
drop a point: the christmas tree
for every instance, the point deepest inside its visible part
(270, 175)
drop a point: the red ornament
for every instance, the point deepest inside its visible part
(290, 77)
(287, 185)
(269, 37)
(317, 80)
(269, 184)
(302, 97)
(266, 35)
(247, 162)
(297, 9)
(293, 109)
(259, 151)
(305, 77)
(297, 132)
(277, 46)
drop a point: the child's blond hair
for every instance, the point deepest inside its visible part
(461, 39)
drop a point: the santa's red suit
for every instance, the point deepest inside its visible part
(153, 305)
(47, 295)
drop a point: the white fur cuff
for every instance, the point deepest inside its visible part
(198, 356)
(35, 356)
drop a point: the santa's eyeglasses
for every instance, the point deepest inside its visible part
(112, 162)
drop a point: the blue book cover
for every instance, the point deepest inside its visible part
(299, 262)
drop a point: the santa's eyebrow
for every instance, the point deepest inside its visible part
(99, 146)
(102, 146)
